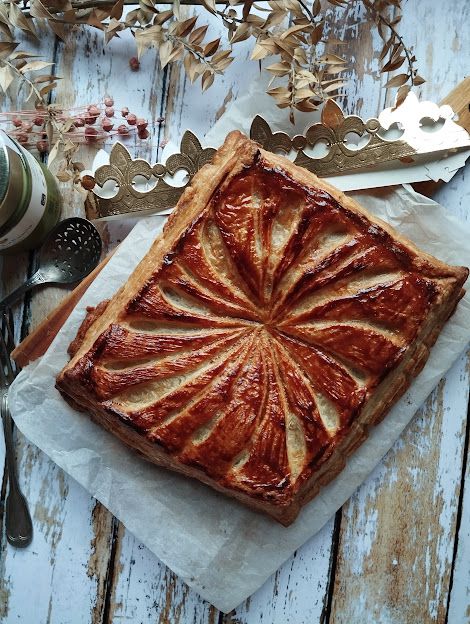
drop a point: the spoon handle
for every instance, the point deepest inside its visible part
(35, 280)
(19, 527)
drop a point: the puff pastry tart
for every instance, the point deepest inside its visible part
(268, 327)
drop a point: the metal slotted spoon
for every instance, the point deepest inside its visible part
(71, 251)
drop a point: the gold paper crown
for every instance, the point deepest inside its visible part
(333, 134)
(123, 170)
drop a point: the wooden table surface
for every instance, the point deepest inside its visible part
(398, 552)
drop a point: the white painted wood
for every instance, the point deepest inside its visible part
(459, 602)
(398, 531)
(297, 592)
(70, 567)
(145, 590)
(48, 581)
(397, 534)
(63, 575)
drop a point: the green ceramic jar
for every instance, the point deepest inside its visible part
(30, 202)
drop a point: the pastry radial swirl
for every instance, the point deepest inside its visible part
(252, 351)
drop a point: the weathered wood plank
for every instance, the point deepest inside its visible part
(125, 580)
(145, 590)
(66, 570)
(298, 591)
(459, 599)
(397, 533)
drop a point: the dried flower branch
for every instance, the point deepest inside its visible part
(305, 70)
(394, 47)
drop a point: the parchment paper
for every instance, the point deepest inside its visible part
(221, 549)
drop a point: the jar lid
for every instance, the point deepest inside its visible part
(12, 177)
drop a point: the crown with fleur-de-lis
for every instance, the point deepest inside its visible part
(336, 145)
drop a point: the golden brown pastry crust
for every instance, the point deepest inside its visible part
(269, 326)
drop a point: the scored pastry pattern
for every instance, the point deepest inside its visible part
(252, 350)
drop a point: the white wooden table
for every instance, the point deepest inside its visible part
(399, 551)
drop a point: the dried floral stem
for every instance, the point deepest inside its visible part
(193, 50)
(310, 15)
(396, 34)
(23, 78)
(95, 4)
(234, 20)
(50, 112)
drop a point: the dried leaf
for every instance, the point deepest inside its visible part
(209, 5)
(176, 54)
(60, 30)
(306, 106)
(207, 80)
(279, 91)
(397, 81)
(392, 66)
(162, 17)
(401, 95)
(182, 29)
(334, 86)
(37, 9)
(53, 154)
(45, 78)
(18, 19)
(242, 33)
(385, 49)
(6, 48)
(112, 29)
(20, 54)
(332, 59)
(220, 56)
(48, 88)
(117, 10)
(35, 66)
(418, 80)
(274, 19)
(263, 49)
(7, 76)
(336, 69)
(212, 47)
(198, 34)
(398, 49)
(223, 64)
(303, 94)
(278, 69)
(317, 34)
(165, 51)
(300, 56)
(147, 38)
(292, 30)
